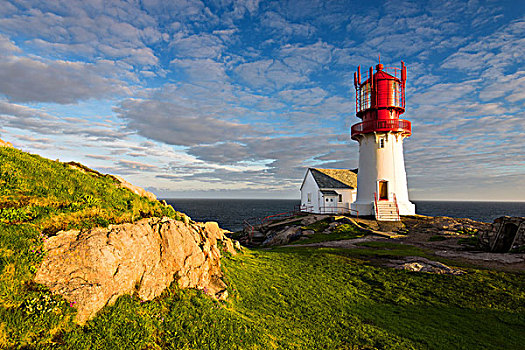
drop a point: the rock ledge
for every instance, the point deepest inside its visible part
(93, 268)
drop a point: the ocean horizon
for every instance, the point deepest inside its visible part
(230, 213)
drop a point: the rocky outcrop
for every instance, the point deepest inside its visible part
(93, 268)
(135, 189)
(5, 144)
(443, 225)
(283, 236)
(419, 264)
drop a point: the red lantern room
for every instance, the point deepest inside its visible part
(380, 100)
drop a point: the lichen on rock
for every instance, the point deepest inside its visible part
(93, 268)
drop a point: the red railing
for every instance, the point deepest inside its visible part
(396, 125)
(375, 203)
(363, 96)
(397, 207)
(280, 216)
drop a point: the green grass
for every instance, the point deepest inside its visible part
(318, 226)
(39, 197)
(285, 298)
(344, 231)
(305, 298)
(326, 298)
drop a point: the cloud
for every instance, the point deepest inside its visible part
(199, 70)
(268, 74)
(311, 96)
(178, 124)
(282, 27)
(23, 79)
(7, 45)
(33, 119)
(198, 46)
(497, 51)
(116, 30)
(135, 165)
(98, 156)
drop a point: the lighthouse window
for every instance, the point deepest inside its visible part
(309, 197)
(340, 198)
(327, 199)
(381, 143)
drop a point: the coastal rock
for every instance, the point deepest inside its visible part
(93, 268)
(135, 189)
(419, 264)
(283, 236)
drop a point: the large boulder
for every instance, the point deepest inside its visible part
(93, 268)
(283, 236)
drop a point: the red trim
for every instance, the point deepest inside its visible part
(385, 125)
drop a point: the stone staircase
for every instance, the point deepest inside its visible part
(386, 211)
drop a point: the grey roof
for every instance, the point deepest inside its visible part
(335, 178)
(329, 193)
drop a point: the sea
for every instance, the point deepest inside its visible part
(231, 213)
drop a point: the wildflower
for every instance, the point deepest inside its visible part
(72, 303)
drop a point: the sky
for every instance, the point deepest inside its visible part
(235, 99)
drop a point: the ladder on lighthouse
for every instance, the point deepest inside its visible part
(386, 210)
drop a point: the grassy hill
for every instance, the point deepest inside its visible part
(284, 298)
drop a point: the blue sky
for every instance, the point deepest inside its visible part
(236, 98)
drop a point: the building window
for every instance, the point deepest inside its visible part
(381, 142)
(327, 199)
(309, 197)
(331, 199)
(340, 198)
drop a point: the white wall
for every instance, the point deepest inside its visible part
(310, 186)
(318, 201)
(377, 164)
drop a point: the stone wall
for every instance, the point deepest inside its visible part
(506, 234)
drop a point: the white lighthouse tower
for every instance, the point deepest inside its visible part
(381, 180)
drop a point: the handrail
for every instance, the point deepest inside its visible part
(330, 210)
(287, 214)
(305, 208)
(397, 207)
(375, 204)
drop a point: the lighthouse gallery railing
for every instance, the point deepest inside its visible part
(396, 125)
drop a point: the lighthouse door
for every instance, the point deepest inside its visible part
(383, 190)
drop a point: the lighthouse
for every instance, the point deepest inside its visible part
(381, 181)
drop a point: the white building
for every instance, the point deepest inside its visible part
(382, 181)
(326, 191)
(382, 178)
